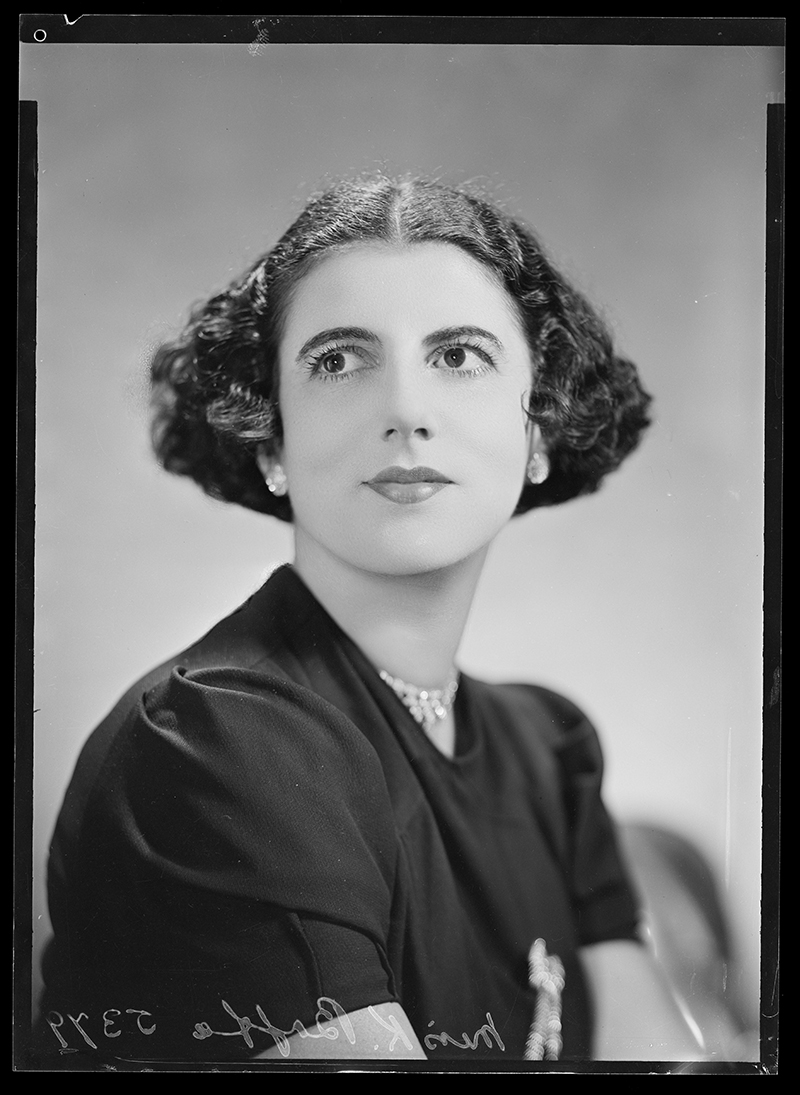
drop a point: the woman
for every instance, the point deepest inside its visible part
(308, 834)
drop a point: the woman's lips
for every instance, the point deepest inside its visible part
(408, 485)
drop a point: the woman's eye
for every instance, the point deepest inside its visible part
(464, 359)
(332, 364)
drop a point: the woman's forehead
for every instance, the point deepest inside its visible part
(426, 282)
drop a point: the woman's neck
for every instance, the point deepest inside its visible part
(409, 625)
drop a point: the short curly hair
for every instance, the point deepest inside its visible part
(215, 387)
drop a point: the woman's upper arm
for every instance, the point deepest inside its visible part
(637, 1018)
(237, 854)
(378, 1031)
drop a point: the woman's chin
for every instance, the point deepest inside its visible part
(405, 539)
(398, 555)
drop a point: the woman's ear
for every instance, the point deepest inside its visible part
(538, 467)
(264, 458)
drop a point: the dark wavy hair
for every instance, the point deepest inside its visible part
(215, 387)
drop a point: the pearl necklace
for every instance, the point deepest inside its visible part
(427, 705)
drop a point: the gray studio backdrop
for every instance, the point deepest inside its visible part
(164, 169)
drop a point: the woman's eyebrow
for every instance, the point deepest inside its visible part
(336, 334)
(361, 334)
(450, 334)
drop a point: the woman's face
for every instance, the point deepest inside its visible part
(403, 376)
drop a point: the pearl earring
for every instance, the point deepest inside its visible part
(275, 478)
(538, 468)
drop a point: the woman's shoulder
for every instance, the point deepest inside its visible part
(233, 725)
(544, 734)
(534, 709)
(244, 667)
(237, 710)
(232, 776)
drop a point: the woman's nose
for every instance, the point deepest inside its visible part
(407, 404)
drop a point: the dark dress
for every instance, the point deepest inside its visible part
(260, 825)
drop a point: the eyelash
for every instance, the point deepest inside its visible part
(487, 360)
(314, 364)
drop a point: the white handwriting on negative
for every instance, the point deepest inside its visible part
(327, 1011)
(488, 1031)
(111, 1020)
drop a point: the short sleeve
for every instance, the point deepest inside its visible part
(236, 859)
(605, 902)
